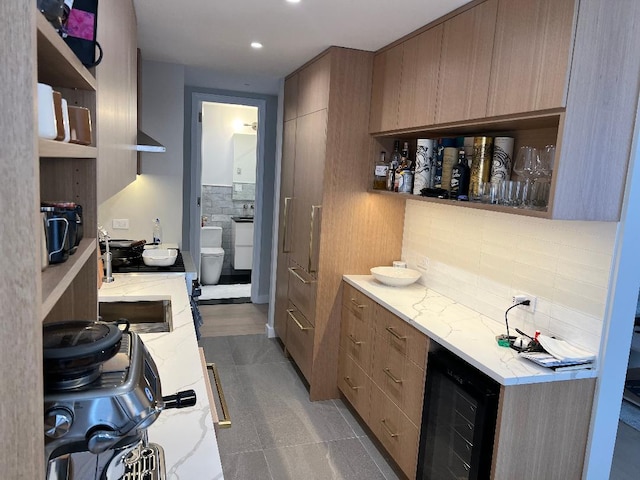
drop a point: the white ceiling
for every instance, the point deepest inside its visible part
(216, 34)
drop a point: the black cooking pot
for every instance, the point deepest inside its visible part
(74, 351)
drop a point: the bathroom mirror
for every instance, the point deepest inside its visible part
(244, 166)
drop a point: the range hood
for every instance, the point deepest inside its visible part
(148, 144)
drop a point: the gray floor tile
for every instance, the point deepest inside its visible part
(274, 384)
(380, 457)
(245, 466)
(252, 349)
(338, 460)
(301, 423)
(217, 350)
(350, 417)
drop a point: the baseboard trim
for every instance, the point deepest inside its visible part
(270, 331)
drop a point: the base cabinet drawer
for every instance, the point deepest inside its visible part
(354, 384)
(357, 302)
(356, 339)
(401, 336)
(395, 431)
(302, 292)
(300, 340)
(399, 378)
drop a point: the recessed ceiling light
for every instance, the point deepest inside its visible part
(256, 45)
(293, 1)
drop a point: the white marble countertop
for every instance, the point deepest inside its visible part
(187, 435)
(463, 331)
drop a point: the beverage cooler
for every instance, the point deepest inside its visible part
(458, 422)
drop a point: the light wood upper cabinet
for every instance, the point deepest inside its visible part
(418, 86)
(385, 91)
(117, 98)
(465, 64)
(313, 86)
(531, 55)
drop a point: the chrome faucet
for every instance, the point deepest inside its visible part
(106, 256)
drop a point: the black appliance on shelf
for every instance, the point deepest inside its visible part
(458, 420)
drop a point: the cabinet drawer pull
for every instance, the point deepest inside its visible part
(391, 375)
(386, 427)
(358, 305)
(299, 277)
(293, 317)
(354, 341)
(350, 383)
(226, 418)
(284, 230)
(395, 334)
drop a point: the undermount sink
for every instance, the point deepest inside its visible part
(243, 218)
(144, 316)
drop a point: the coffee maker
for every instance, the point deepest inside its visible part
(102, 392)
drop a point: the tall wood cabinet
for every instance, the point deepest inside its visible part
(325, 209)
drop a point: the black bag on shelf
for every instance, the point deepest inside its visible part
(80, 30)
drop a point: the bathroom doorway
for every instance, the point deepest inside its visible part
(227, 155)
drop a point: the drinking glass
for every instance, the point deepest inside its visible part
(526, 166)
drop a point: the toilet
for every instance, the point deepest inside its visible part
(211, 255)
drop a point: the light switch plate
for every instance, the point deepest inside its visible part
(120, 223)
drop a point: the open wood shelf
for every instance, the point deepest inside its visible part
(54, 149)
(57, 278)
(57, 64)
(478, 206)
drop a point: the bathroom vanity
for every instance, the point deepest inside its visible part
(242, 243)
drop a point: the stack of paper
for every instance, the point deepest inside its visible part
(560, 355)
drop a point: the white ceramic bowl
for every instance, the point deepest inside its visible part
(160, 257)
(395, 277)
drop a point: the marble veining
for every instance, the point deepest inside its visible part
(465, 332)
(187, 435)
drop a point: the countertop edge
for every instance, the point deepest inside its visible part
(512, 370)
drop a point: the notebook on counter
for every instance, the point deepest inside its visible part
(560, 355)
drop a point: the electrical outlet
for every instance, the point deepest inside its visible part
(521, 297)
(423, 263)
(120, 223)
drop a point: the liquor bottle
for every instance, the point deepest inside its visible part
(460, 174)
(380, 172)
(393, 164)
(404, 174)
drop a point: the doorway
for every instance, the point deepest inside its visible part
(225, 189)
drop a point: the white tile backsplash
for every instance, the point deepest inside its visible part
(481, 259)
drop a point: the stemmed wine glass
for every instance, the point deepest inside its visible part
(542, 177)
(525, 167)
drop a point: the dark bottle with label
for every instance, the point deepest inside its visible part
(394, 162)
(404, 173)
(460, 175)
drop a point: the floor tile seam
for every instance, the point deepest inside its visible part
(319, 442)
(372, 457)
(240, 452)
(364, 434)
